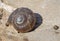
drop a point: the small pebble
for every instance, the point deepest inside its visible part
(56, 27)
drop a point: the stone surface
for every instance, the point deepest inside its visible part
(48, 9)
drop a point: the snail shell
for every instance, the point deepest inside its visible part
(23, 19)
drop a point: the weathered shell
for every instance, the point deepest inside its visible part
(23, 19)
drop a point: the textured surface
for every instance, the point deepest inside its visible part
(50, 12)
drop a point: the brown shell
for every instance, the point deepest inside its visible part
(28, 19)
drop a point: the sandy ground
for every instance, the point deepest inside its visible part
(49, 10)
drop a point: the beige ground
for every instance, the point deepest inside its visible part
(48, 9)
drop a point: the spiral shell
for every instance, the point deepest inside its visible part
(23, 19)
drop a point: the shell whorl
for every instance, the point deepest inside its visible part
(23, 19)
